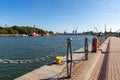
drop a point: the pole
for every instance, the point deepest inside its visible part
(69, 57)
(86, 48)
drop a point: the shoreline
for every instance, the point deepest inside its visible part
(10, 35)
(16, 35)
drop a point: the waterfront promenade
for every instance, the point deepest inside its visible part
(108, 65)
(103, 65)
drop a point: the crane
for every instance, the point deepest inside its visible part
(96, 29)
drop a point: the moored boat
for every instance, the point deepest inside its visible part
(35, 34)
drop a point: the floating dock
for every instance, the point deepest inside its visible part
(103, 65)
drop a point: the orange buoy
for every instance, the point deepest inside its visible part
(95, 44)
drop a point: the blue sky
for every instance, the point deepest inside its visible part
(58, 15)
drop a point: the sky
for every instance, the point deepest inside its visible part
(61, 15)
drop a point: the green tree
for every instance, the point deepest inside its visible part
(21, 30)
(51, 32)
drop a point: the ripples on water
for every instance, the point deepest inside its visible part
(31, 48)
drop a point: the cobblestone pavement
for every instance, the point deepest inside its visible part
(79, 68)
(108, 65)
(83, 69)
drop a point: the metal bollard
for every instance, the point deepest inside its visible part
(86, 48)
(95, 44)
(69, 58)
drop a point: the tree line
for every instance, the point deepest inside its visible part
(22, 30)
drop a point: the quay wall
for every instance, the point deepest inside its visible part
(7, 35)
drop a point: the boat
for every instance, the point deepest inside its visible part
(24, 35)
(35, 34)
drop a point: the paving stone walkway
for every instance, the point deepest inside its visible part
(108, 65)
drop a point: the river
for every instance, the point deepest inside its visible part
(31, 48)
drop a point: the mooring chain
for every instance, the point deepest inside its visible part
(63, 74)
(36, 59)
(102, 39)
(58, 50)
(81, 39)
(89, 40)
(60, 75)
(51, 54)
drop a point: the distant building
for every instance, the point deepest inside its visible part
(75, 31)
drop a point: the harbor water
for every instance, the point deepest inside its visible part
(22, 48)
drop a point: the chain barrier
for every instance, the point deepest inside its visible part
(67, 68)
(102, 39)
(36, 59)
(88, 43)
(59, 75)
(69, 61)
(67, 71)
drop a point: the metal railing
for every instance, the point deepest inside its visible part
(69, 58)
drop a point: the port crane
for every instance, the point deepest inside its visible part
(96, 29)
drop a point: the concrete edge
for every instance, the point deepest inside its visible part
(91, 65)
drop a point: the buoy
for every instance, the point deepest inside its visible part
(95, 44)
